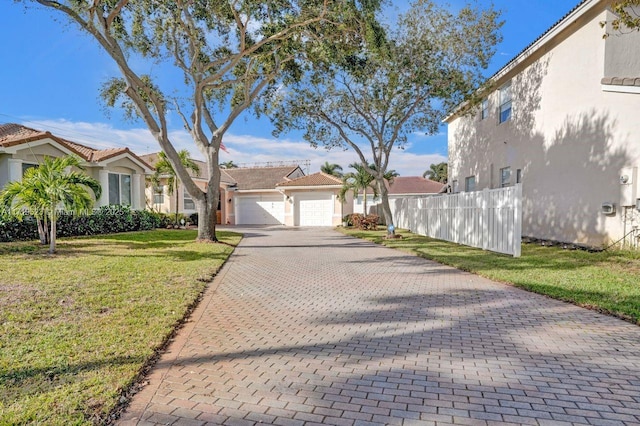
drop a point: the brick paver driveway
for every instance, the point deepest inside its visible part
(307, 326)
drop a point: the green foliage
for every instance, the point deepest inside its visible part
(371, 99)
(228, 53)
(105, 220)
(628, 15)
(437, 172)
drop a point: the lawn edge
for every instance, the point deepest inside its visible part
(139, 381)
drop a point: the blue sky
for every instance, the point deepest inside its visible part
(51, 75)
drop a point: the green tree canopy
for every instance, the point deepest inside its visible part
(373, 99)
(222, 56)
(49, 187)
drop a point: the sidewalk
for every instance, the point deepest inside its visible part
(308, 326)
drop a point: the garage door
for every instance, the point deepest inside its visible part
(315, 209)
(260, 210)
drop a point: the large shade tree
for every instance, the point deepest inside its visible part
(371, 101)
(49, 188)
(212, 59)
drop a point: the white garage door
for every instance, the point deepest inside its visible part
(260, 210)
(315, 209)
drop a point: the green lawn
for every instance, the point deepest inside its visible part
(77, 328)
(606, 281)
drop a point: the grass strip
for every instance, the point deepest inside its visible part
(78, 327)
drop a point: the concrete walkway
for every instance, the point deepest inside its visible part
(307, 326)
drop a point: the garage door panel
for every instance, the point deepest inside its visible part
(315, 209)
(264, 210)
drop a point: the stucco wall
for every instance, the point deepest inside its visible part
(570, 139)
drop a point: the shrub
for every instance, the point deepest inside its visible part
(193, 218)
(104, 220)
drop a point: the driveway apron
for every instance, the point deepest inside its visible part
(308, 326)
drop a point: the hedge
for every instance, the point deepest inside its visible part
(104, 220)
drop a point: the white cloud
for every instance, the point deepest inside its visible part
(243, 149)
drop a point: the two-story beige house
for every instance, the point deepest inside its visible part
(563, 119)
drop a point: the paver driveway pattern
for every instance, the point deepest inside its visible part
(308, 326)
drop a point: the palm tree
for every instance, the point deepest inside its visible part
(228, 165)
(331, 169)
(437, 172)
(165, 169)
(48, 187)
(361, 180)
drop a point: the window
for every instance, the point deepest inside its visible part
(187, 200)
(519, 176)
(158, 194)
(470, 184)
(119, 189)
(505, 102)
(454, 186)
(505, 177)
(27, 166)
(484, 111)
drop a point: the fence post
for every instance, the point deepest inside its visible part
(517, 221)
(485, 219)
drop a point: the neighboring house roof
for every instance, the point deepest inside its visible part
(316, 179)
(12, 134)
(254, 178)
(405, 185)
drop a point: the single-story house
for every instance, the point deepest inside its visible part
(400, 187)
(121, 173)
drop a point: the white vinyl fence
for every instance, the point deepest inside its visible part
(490, 219)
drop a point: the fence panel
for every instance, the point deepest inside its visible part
(490, 219)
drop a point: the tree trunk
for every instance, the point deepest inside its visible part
(52, 237)
(364, 203)
(208, 208)
(386, 209)
(42, 231)
(176, 189)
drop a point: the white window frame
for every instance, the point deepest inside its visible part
(505, 110)
(484, 109)
(470, 183)
(505, 177)
(158, 194)
(121, 177)
(187, 198)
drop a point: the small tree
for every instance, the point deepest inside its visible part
(51, 186)
(437, 172)
(164, 169)
(331, 169)
(357, 181)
